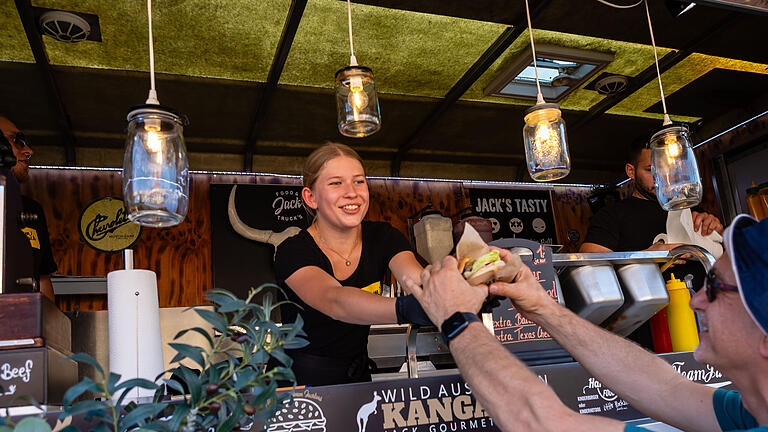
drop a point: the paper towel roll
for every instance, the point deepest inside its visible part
(135, 346)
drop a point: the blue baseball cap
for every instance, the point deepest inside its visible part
(746, 241)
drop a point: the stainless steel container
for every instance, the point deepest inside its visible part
(592, 292)
(644, 295)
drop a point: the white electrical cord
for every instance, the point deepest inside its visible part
(667, 121)
(620, 6)
(539, 96)
(152, 98)
(352, 59)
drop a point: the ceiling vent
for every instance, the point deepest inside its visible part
(68, 26)
(560, 70)
(65, 26)
(611, 84)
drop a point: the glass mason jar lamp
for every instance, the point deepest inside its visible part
(155, 167)
(674, 169)
(357, 105)
(546, 149)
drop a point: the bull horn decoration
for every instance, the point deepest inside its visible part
(262, 236)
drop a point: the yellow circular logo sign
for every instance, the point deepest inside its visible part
(104, 226)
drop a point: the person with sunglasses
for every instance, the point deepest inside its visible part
(37, 229)
(733, 310)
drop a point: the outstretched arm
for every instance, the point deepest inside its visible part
(644, 380)
(498, 379)
(349, 304)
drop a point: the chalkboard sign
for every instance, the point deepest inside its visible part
(510, 327)
(516, 213)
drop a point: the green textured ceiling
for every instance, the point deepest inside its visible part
(203, 38)
(410, 53)
(13, 41)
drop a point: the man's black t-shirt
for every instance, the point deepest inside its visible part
(37, 233)
(628, 225)
(329, 337)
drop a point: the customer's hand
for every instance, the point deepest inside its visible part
(527, 294)
(444, 291)
(707, 222)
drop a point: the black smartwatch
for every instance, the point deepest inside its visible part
(456, 324)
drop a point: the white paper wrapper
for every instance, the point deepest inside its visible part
(135, 346)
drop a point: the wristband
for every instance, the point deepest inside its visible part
(409, 311)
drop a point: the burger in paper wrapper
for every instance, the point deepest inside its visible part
(480, 264)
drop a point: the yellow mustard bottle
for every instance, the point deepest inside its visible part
(754, 205)
(680, 317)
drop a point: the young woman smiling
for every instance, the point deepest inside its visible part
(334, 268)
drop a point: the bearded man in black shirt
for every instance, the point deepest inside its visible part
(633, 223)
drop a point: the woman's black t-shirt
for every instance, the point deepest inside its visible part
(329, 337)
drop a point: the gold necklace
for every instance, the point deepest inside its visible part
(346, 258)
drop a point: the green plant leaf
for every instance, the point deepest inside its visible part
(199, 330)
(141, 414)
(154, 426)
(179, 415)
(83, 407)
(266, 393)
(231, 306)
(219, 296)
(192, 381)
(131, 384)
(282, 357)
(232, 420)
(193, 352)
(175, 385)
(85, 358)
(137, 382)
(112, 382)
(101, 427)
(78, 389)
(296, 343)
(217, 321)
(70, 428)
(259, 358)
(5, 429)
(244, 378)
(32, 424)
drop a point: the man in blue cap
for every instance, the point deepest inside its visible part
(733, 307)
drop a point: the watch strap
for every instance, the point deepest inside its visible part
(455, 324)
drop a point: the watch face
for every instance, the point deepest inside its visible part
(454, 325)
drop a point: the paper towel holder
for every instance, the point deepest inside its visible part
(128, 259)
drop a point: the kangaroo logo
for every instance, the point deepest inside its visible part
(365, 411)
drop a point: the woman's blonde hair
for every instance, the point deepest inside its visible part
(317, 159)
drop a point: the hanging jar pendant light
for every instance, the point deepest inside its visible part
(155, 166)
(546, 147)
(357, 105)
(673, 164)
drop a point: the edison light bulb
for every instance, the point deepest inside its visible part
(672, 148)
(546, 142)
(154, 142)
(357, 98)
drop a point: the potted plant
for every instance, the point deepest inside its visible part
(221, 395)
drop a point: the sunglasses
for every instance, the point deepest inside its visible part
(714, 286)
(19, 140)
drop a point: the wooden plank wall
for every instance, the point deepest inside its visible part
(181, 255)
